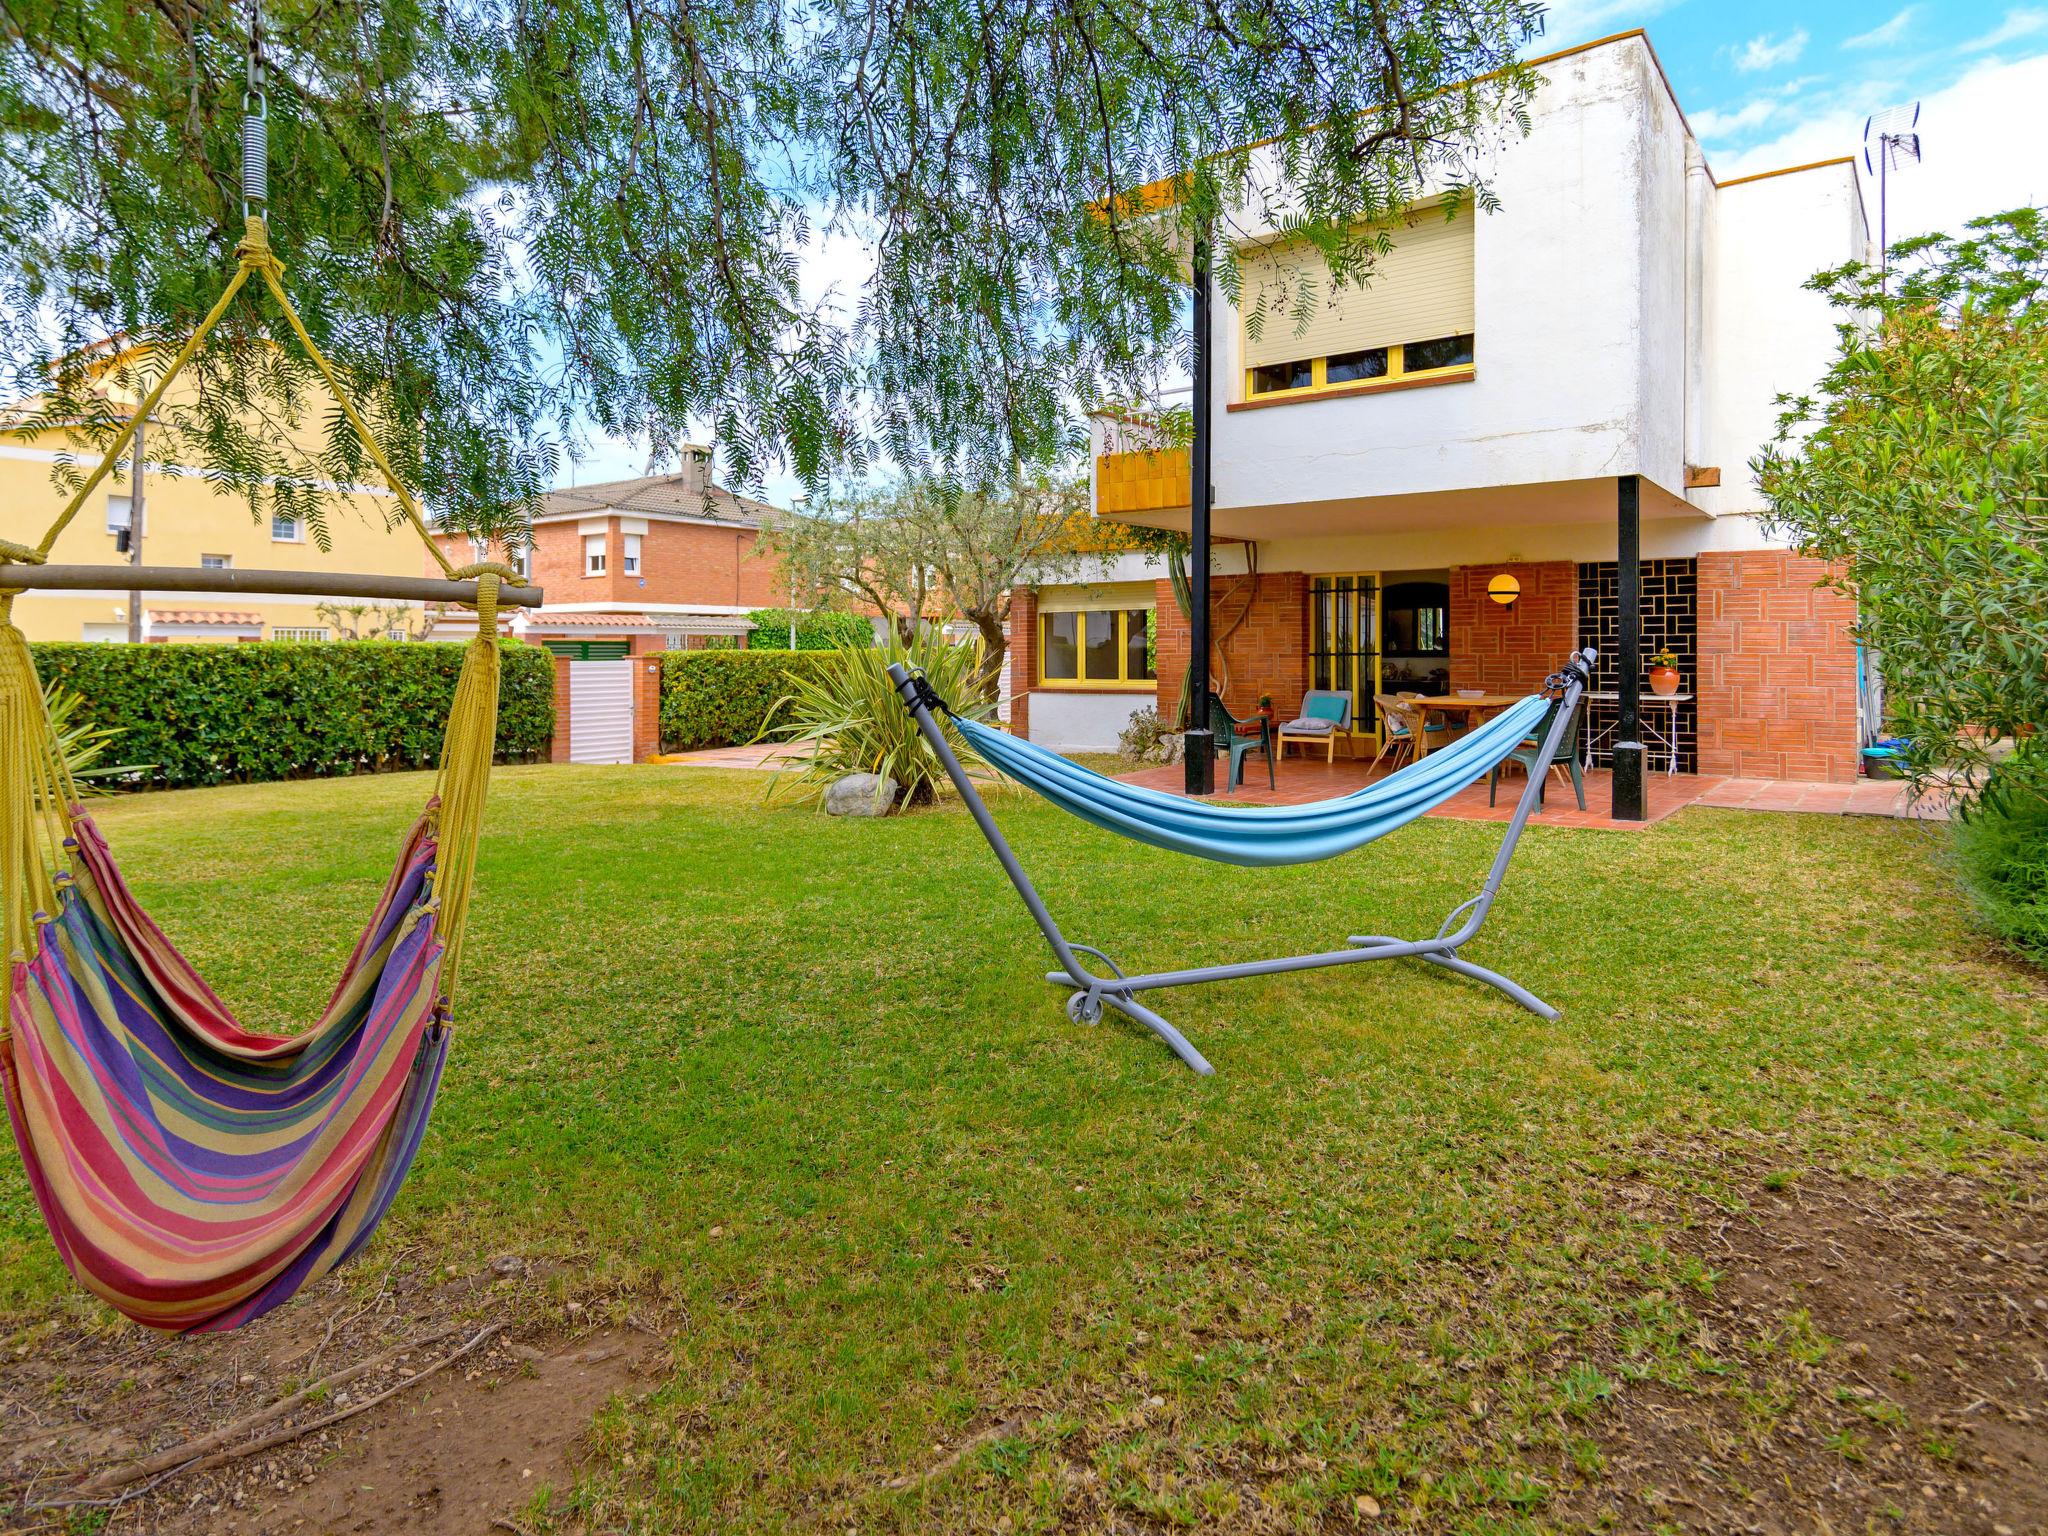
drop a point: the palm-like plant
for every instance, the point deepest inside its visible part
(83, 744)
(848, 719)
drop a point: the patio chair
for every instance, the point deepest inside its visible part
(1232, 737)
(1325, 715)
(1403, 724)
(1566, 759)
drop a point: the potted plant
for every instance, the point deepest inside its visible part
(1664, 671)
(1265, 710)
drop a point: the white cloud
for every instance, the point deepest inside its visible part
(1578, 21)
(2017, 24)
(1717, 123)
(1767, 52)
(1884, 34)
(1976, 136)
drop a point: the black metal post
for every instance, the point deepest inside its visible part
(1198, 744)
(1628, 555)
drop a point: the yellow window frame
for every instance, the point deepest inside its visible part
(1397, 370)
(1123, 679)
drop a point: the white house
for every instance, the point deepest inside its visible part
(1492, 404)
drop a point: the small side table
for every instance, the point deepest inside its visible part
(1655, 737)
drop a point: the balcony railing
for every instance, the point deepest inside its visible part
(1136, 468)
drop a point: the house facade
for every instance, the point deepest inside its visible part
(1512, 389)
(173, 514)
(658, 562)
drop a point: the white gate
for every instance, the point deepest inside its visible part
(600, 711)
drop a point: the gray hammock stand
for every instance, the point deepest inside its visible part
(1088, 992)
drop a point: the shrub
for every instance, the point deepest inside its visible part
(2001, 857)
(212, 714)
(815, 630)
(722, 698)
(847, 718)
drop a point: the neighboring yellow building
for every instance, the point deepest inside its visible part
(187, 521)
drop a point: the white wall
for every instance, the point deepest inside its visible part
(1768, 335)
(1579, 322)
(1083, 722)
(1618, 330)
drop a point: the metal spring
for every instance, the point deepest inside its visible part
(255, 158)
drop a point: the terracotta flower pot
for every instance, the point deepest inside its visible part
(1664, 680)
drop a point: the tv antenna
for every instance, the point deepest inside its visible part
(1890, 138)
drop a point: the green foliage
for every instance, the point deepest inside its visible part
(2001, 857)
(211, 714)
(722, 698)
(848, 718)
(506, 220)
(81, 743)
(1921, 468)
(816, 630)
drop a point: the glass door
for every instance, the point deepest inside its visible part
(1344, 643)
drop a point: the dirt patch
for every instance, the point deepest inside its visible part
(463, 1440)
(1871, 1358)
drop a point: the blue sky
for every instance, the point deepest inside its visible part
(1767, 86)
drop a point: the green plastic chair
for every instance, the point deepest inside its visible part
(1567, 759)
(1225, 728)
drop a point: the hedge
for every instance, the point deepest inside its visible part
(722, 698)
(815, 631)
(212, 714)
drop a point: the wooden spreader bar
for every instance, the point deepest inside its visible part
(182, 578)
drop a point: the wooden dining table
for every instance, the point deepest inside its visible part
(1473, 709)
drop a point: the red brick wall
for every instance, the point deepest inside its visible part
(1023, 657)
(1512, 649)
(680, 562)
(1266, 653)
(1777, 683)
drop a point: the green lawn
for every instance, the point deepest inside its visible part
(795, 1087)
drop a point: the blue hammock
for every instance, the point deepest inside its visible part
(1297, 834)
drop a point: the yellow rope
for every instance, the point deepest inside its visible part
(36, 791)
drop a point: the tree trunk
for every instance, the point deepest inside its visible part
(995, 650)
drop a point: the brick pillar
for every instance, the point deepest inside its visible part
(1777, 669)
(1268, 651)
(1170, 662)
(646, 705)
(1023, 657)
(1512, 649)
(558, 748)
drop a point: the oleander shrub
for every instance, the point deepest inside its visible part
(720, 698)
(215, 714)
(815, 631)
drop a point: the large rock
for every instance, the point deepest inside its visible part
(861, 794)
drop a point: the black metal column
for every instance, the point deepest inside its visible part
(1628, 556)
(1198, 749)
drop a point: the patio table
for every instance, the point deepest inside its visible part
(1473, 709)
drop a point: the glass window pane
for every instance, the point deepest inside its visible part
(1100, 664)
(1137, 663)
(1443, 352)
(1349, 367)
(1278, 376)
(1062, 658)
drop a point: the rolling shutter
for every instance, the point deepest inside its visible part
(1420, 289)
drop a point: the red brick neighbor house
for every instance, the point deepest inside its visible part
(1523, 393)
(632, 568)
(659, 562)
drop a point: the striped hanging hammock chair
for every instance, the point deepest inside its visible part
(194, 1174)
